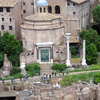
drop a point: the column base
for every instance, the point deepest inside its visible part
(38, 60)
(22, 66)
(51, 60)
(84, 62)
(68, 63)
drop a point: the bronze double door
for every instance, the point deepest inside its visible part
(44, 55)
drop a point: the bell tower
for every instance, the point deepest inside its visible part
(42, 6)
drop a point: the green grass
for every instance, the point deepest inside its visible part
(16, 76)
(67, 80)
(92, 67)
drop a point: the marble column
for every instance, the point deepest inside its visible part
(51, 57)
(34, 7)
(68, 51)
(84, 54)
(37, 54)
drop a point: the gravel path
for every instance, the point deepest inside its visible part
(85, 72)
(37, 78)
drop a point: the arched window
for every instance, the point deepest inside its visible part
(57, 10)
(44, 10)
(49, 9)
(40, 10)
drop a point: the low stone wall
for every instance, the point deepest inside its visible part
(40, 91)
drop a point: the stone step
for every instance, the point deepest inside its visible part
(46, 71)
(45, 68)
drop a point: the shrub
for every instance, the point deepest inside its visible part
(73, 51)
(91, 54)
(1, 59)
(67, 80)
(59, 67)
(91, 36)
(15, 70)
(96, 78)
(33, 68)
(7, 83)
(94, 67)
(18, 75)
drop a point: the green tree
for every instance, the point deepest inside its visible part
(12, 47)
(14, 59)
(96, 14)
(96, 18)
(91, 54)
(1, 59)
(91, 36)
(73, 51)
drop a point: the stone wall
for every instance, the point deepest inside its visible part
(7, 22)
(40, 91)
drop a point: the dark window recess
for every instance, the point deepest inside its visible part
(8, 9)
(23, 3)
(68, 4)
(28, 54)
(1, 9)
(86, 14)
(31, 3)
(10, 19)
(2, 27)
(74, 4)
(21, 16)
(10, 27)
(74, 13)
(49, 9)
(2, 19)
(32, 53)
(24, 11)
(57, 9)
(21, 6)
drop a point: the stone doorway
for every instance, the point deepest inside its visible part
(44, 55)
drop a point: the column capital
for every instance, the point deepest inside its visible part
(68, 34)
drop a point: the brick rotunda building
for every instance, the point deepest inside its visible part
(43, 37)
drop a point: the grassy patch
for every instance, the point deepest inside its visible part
(67, 80)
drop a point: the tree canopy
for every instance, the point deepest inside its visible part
(96, 13)
(10, 46)
(91, 54)
(91, 36)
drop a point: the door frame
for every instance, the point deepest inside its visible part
(40, 53)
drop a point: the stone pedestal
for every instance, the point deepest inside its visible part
(23, 71)
(6, 66)
(22, 65)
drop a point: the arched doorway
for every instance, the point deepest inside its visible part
(57, 9)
